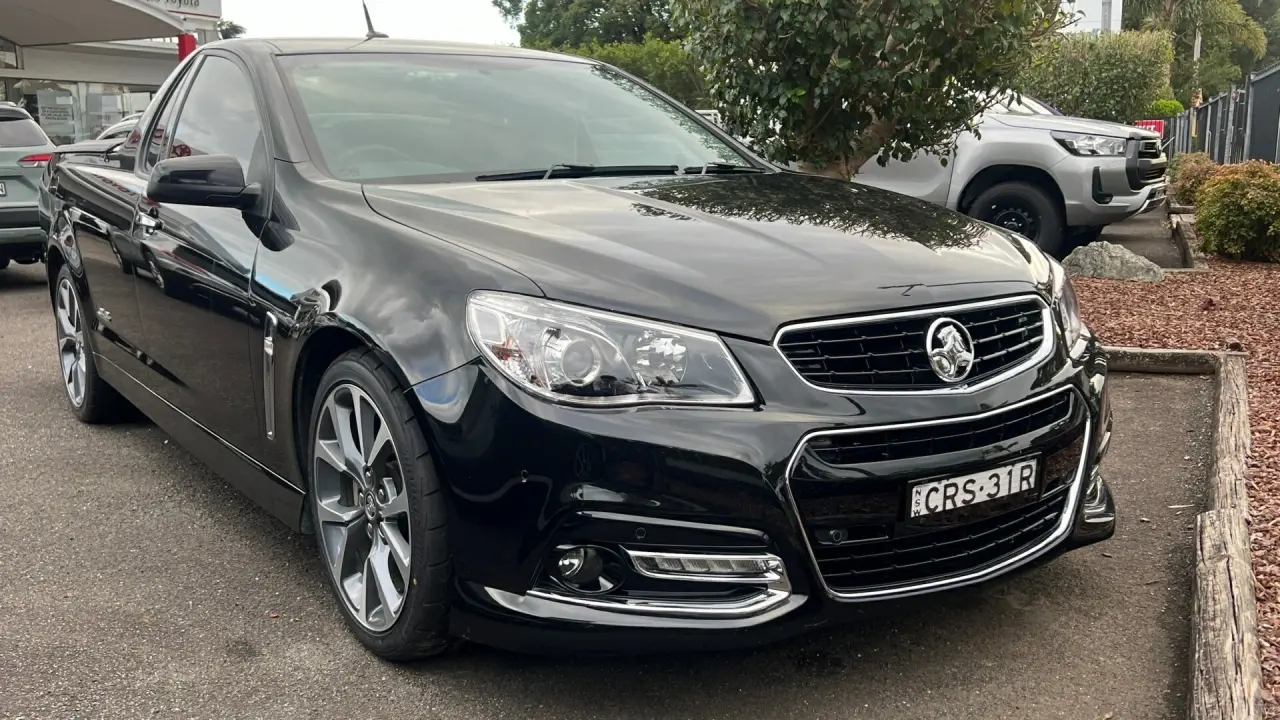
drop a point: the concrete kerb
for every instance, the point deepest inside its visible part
(1226, 669)
(1184, 237)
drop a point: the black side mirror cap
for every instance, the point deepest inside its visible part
(208, 180)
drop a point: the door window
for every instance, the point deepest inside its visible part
(219, 116)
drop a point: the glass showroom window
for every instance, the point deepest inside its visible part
(106, 104)
(53, 104)
(71, 111)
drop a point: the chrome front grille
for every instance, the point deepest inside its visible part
(919, 441)
(850, 490)
(887, 352)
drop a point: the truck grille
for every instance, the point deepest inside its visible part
(889, 354)
(1150, 175)
(932, 555)
(920, 441)
(1149, 149)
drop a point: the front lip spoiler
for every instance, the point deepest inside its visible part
(1060, 533)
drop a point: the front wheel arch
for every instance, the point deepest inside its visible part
(994, 175)
(329, 339)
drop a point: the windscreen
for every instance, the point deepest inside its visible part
(384, 117)
(21, 133)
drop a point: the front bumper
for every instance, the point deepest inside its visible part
(1102, 191)
(529, 478)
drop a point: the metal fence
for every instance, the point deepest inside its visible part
(1242, 123)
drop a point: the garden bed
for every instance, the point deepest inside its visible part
(1231, 307)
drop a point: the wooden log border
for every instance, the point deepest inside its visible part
(1226, 670)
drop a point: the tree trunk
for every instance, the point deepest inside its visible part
(843, 169)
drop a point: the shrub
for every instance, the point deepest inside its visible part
(1238, 212)
(662, 63)
(1111, 76)
(1187, 173)
(1164, 109)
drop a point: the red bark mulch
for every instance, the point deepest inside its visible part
(1233, 303)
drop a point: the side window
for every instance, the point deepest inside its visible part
(219, 116)
(160, 130)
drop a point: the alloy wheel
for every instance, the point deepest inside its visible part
(361, 507)
(71, 348)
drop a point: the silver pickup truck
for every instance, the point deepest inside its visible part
(1045, 175)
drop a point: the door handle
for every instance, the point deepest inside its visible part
(149, 223)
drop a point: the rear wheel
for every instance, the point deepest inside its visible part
(379, 511)
(1025, 209)
(92, 400)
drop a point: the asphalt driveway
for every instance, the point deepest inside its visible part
(134, 583)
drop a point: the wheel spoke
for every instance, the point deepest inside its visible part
(64, 322)
(366, 417)
(330, 512)
(382, 439)
(330, 451)
(347, 440)
(379, 566)
(397, 503)
(398, 547)
(338, 541)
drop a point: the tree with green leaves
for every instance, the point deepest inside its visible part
(571, 23)
(228, 29)
(662, 63)
(1110, 76)
(1233, 38)
(834, 83)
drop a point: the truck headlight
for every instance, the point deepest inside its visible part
(578, 356)
(1066, 307)
(1082, 144)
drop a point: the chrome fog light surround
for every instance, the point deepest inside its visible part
(756, 568)
(1094, 505)
(763, 569)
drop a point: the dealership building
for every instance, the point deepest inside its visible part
(79, 66)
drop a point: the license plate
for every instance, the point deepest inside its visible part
(957, 492)
(3, 191)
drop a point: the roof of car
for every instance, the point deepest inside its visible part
(303, 46)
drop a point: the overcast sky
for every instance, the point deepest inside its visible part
(457, 20)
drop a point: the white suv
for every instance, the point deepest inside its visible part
(1044, 175)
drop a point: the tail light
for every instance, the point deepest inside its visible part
(32, 161)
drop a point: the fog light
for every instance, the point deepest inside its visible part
(762, 568)
(586, 569)
(579, 565)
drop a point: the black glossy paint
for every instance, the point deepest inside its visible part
(186, 292)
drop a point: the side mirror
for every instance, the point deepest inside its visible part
(209, 180)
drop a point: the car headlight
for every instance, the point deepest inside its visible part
(587, 357)
(1066, 307)
(1082, 144)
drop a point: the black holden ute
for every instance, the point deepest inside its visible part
(546, 361)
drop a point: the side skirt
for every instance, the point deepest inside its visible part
(274, 493)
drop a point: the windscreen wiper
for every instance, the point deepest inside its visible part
(573, 170)
(714, 168)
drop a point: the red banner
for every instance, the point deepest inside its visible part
(1152, 125)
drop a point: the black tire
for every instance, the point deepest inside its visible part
(100, 404)
(1024, 208)
(421, 629)
(4, 263)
